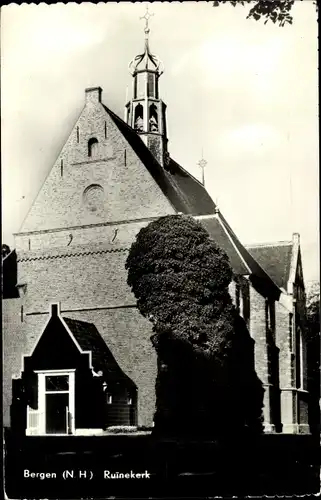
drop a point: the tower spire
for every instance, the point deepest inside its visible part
(147, 17)
(145, 111)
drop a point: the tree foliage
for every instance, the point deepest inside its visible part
(277, 11)
(313, 354)
(313, 310)
(206, 378)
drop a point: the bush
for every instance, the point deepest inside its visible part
(206, 379)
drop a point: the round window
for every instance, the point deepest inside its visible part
(94, 197)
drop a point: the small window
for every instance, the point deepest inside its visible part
(61, 167)
(151, 85)
(139, 118)
(92, 147)
(129, 400)
(105, 129)
(109, 399)
(57, 383)
(77, 133)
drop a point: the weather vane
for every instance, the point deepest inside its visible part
(147, 17)
(202, 163)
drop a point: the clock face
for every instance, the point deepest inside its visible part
(94, 197)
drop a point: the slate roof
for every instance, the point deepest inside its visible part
(89, 339)
(214, 227)
(242, 262)
(186, 194)
(275, 258)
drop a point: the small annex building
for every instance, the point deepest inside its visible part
(71, 383)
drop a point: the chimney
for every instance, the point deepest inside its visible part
(296, 238)
(55, 309)
(93, 95)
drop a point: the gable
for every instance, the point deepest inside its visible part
(299, 280)
(55, 348)
(97, 178)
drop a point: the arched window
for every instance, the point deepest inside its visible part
(92, 147)
(299, 358)
(151, 84)
(139, 118)
(153, 118)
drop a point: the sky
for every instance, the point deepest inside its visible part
(242, 94)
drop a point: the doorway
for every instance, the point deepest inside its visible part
(56, 402)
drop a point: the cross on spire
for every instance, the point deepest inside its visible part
(202, 163)
(147, 17)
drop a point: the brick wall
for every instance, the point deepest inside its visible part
(258, 332)
(83, 278)
(129, 190)
(13, 342)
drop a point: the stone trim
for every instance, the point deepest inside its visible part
(94, 161)
(84, 309)
(75, 254)
(294, 389)
(87, 226)
(296, 429)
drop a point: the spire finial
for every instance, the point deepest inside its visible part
(147, 17)
(202, 163)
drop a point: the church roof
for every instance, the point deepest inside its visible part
(186, 194)
(242, 262)
(89, 339)
(275, 258)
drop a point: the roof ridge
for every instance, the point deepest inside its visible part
(269, 244)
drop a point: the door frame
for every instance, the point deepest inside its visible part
(42, 398)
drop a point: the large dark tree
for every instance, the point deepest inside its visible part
(277, 11)
(206, 380)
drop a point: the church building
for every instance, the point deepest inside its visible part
(78, 355)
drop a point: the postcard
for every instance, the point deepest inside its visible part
(160, 279)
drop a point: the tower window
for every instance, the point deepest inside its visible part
(139, 118)
(153, 118)
(77, 133)
(92, 147)
(151, 85)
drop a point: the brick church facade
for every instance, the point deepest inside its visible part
(65, 290)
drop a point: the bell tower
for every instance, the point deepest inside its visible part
(146, 112)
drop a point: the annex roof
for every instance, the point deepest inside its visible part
(275, 258)
(242, 262)
(89, 339)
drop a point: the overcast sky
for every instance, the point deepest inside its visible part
(244, 92)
